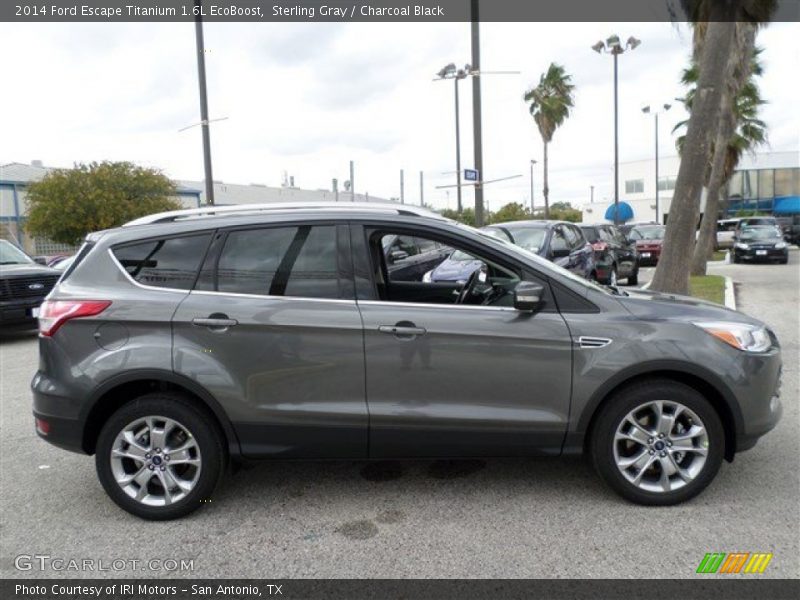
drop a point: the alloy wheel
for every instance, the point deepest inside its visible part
(156, 460)
(661, 446)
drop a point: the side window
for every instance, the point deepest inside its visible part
(168, 263)
(559, 242)
(281, 261)
(575, 237)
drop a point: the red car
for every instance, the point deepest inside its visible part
(648, 239)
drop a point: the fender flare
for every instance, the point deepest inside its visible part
(169, 377)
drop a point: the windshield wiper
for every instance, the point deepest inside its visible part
(616, 291)
(10, 262)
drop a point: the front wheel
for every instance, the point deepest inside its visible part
(159, 457)
(633, 278)
(658, 443)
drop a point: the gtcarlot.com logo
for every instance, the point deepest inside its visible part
(734, 562)
(45, 562)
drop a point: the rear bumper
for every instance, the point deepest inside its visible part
(649, 257)
(60, 411)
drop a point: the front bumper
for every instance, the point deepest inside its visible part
(756, 254)
(648, 256)
(19, 311)
(759, 394)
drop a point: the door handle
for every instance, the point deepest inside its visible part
(402, 330)
(215, 323)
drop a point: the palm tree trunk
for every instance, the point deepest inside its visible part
(546, 188)
(704, 248)
(716, 66)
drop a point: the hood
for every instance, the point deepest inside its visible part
(455, 270)
(659, 306)
(26, 269)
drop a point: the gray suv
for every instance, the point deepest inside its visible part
(185, 340)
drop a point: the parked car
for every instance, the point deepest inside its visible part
(726, 231)
(558, 241)
(625, 228)
(790, 225)
(409, 258)
(23, 285)
(457, 267)
(615, 255)
(763, 243)
(648, 240)
(184, 340)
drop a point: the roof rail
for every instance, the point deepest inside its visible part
(212, 211)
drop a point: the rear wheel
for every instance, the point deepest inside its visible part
(159, 457)
(658, 443)
(633, 278)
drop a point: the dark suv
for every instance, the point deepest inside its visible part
(184, 340)
(24, 284)
(615, 255)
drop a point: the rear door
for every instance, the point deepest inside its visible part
(272, 331)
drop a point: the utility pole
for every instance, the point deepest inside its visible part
(352, 182)
(533, 162)
(336, 189)
(402, 188)
(421, 189)
(476, 112)
(591, 194)
(201, 79)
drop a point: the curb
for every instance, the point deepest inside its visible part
(730, 295)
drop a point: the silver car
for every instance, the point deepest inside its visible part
(186, 340)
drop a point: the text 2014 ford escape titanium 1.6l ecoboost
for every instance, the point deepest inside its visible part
(186, 339)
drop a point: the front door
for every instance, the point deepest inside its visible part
(476, 378)
(272, 331)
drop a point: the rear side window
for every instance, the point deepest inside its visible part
(167, 263)
(281, 261)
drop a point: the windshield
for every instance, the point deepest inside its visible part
(591, 234)
(760, 233)
(655, 232)
(460, 256)
(543, 264)
(530, 238)
(11, 255)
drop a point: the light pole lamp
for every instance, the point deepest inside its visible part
(533, 162)
(655, 113)
(450, 71)
(613, 47)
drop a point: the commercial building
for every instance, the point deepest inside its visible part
(767, 182)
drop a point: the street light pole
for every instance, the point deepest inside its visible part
(613, 46)
(201, 79)
(647, 110)
(477, 131)
(533, 162)
(458, 150)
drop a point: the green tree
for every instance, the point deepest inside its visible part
(466, 216)
(513, 211)
(739, 131)
(718, 49)
(549, 104)
(69, 203)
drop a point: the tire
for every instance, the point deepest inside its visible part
(633, 278)
(612, 277)
(696, 470)
(784, 261)
(736, 259)
(192, 482)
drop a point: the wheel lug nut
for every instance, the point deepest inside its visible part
(158, 450)
(660, 435)
(166, 457)
(663, 454)
(147, 455)
(151, 467)
(652, 451)
(649, 440)
(163, 468)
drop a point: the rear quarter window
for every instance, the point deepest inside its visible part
(168, 263)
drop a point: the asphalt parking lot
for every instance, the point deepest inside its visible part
(471, 519)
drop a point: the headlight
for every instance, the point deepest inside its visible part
(780, 245)
(749, 338)
(427, 277)
(742, 246)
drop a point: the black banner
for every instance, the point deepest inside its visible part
(699, 588)
(352, 11)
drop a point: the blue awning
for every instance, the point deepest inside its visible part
(786, 205)
(625, 212)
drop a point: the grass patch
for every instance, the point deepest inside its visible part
(708, 287)
(719, 255)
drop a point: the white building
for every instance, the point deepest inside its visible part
(761, 181)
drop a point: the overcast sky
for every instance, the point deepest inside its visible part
(307, 98)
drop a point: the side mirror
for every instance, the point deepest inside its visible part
(396, 255)
(40, 260)
(528, 296)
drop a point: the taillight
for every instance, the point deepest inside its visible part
(54, 313)
(599, 246)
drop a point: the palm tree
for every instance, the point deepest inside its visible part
(550, 102)
(739, 131)
(718, 49)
